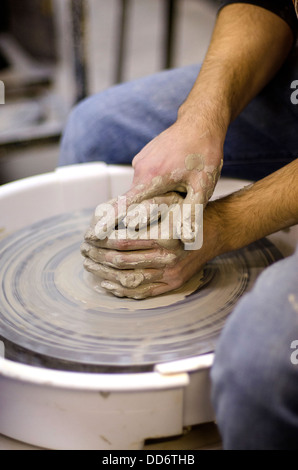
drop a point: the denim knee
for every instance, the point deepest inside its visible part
(254, 382)
(93, 133)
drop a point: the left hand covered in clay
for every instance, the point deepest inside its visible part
(140, 268)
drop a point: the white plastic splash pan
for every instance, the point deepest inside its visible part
(72, 410)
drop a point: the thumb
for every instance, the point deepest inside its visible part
(192, 220)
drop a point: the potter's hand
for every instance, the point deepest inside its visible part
(140, 268)
(227, 227)
(134, 263)
(181, 160)
(143, 266)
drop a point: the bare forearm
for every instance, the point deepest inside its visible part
(263, 208)
(248, 46)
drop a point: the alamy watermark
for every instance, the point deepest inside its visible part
(2, 92)
(146, 221)
(2, 349)
(294, 94)
(294, 355)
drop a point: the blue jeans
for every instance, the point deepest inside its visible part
(255, 374)
(116, 124)
(255, 385)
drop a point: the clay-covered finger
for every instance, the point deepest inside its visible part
(192, 221)
(138, 293)
(122, 243)
(128, 217)
(150, 210)
(201, 184)
(94, 253)
(127, 278)
(158, 186)
(154, 259)
(109, 216)
(134, 245)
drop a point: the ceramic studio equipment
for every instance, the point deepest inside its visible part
(76, 375)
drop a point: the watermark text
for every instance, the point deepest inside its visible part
(146, 221)
(294, 94)
(2, 92)
(2, 349)
(294, 355)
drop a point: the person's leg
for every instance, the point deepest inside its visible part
(255, 372)
(116, 124)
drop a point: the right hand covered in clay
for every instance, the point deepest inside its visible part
(180, 166)
(180, 159)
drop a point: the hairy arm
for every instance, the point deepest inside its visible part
(265, 207)
(146, 268)
(248, 46)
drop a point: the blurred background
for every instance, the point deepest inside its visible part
(54, 53)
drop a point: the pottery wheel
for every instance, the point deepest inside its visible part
(51, 315)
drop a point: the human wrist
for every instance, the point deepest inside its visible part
(214, 237)
(202, 122)
(229, 217)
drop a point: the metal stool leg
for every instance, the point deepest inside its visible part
(170, 16)
(171, 7)
(79, 39)
(121, 40)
